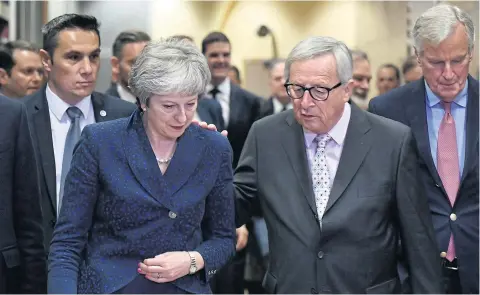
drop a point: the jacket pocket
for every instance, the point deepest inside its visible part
(270, 283)
(387, 287)
(11, 256)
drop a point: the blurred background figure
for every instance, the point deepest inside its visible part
(362, 74)
(411, 69)
(21, 69)
(126, 48)
(388, 78)
(234, 75)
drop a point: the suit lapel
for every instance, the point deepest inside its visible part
(141, 160)
(355, 149)
(471, 142)
(189, 151)
(43, 135)
(293, 143)
(143, 164)
(415, 107)
(98, 103)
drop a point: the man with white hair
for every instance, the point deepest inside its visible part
(442, 111)
(337, 186)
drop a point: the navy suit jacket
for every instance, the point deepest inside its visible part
(407, 105)
(119, 209)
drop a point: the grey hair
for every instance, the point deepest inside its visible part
(439, 22)
(169, 67)
(314, 47)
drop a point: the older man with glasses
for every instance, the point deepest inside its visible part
(337, 186)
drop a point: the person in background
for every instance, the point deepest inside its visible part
(60, 110)
(126, 47)
(388, 78)
(411, 69)
(442, 110)
(362, 74)
(21, 69)
(234, 75)
(22, 258)
(149, 204)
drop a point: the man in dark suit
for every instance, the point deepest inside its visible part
(240, 109)
(279, 101)
(126, 47)
(58, 111)
(22, 255)
(337, 186)
(442, 111)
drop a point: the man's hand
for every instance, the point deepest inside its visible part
(242, 237)
(211, 127)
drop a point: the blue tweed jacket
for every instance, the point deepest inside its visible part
(119, 209)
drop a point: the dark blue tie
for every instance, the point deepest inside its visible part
(73, 136)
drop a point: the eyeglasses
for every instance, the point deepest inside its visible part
(316, 92)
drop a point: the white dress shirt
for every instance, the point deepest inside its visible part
(334, 147)
(125, 94)
(278, 106)
(223, 97)
(60, 123)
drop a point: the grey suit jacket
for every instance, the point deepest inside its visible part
(374, 200)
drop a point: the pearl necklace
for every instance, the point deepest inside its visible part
(164, 161)
(167, 160)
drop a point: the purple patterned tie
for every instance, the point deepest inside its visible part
(447, 163)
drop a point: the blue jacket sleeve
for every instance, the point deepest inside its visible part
(218, 224)
(75, 219)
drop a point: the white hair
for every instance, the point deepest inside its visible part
(169, 67)
(314, 47)
(439, 22)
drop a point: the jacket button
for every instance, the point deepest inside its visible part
(443, 254)
(172, 215)
(313, 291)
(437, 185)
(453, 217)
(320, 254)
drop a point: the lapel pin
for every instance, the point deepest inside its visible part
(103, 113)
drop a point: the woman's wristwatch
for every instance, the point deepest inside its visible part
(193, 264)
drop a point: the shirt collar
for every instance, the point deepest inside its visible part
(224, 87)
(433, 99)
(59, 107)
(278, 106)
(125, 94)
(338, 132)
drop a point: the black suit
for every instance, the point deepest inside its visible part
(407, 105)
(267, 108)
(210, 111)
(105, 108)
(112, 91)
(22, 257)
(374, 199)
(244, 110)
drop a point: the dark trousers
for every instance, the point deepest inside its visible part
(229, 280)
(451, 278)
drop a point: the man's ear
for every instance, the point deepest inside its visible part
(46, 60)
(348, 90)
(3, 77)
(115, 62)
